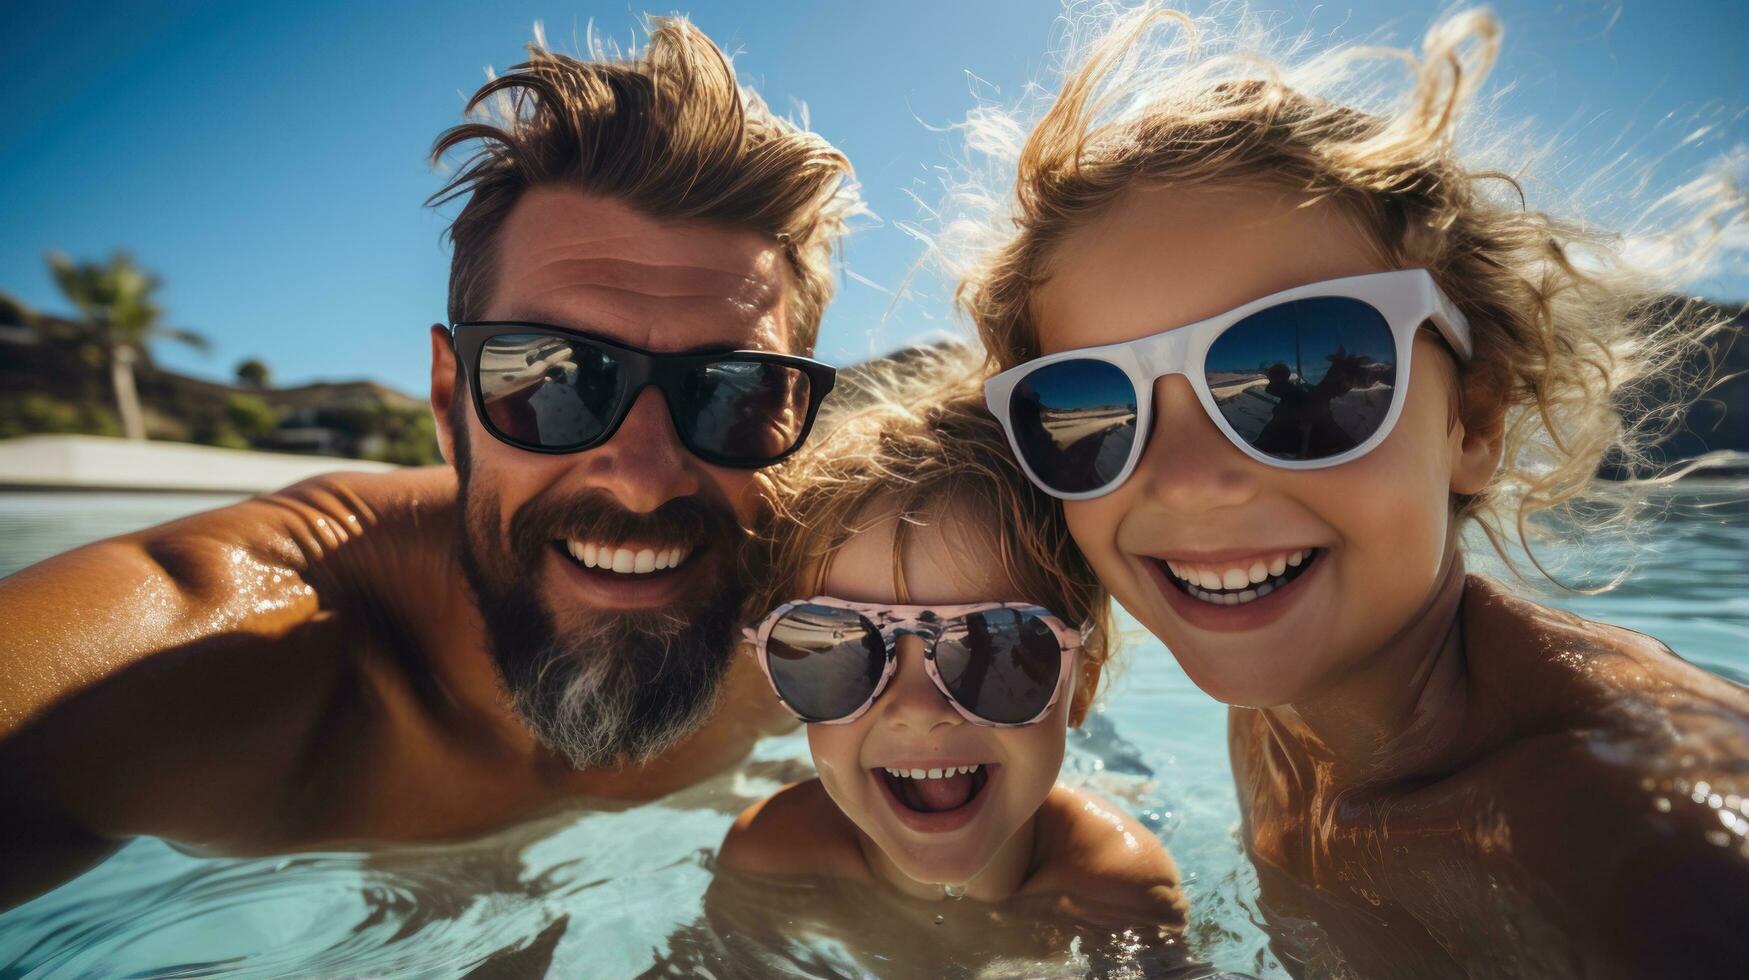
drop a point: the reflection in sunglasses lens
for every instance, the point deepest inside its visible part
(743, 410)
(1001, 665)
(824, 661)
(1075, 423)
(547, 391)
(1305, 380)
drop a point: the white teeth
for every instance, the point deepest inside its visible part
(945, 773)
(1230, 588)
(1176, 570)
(643, 561)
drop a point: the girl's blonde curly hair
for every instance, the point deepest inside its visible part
(1570, 342)
(910, 437)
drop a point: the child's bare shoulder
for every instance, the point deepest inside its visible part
(797, 830)
(1093, 853)
(1595, 680)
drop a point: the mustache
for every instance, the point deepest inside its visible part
(595, 516)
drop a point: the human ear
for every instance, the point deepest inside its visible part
(1478, 441)
(1478, 457)
(443, 389)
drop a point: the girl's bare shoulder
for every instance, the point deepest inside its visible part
(797, 830)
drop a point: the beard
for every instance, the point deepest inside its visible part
(604, 687)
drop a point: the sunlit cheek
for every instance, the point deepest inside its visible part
(836, 749)
(1093, 524)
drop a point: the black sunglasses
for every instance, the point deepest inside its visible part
(548, 389)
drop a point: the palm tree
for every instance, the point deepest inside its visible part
(116, 298)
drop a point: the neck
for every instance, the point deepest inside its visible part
(995, 882)
(1394, 712)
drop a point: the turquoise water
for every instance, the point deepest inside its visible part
(606, 894)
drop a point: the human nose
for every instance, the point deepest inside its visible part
(644, 465)
(1188, 465)
(912, 702)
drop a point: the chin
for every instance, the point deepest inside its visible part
(1248, 682)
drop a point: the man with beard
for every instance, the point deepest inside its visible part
(644, 251)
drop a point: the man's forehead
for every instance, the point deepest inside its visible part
(592, 263)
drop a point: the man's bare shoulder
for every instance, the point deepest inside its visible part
(797, 830)
(173, 681)
(259, 568)
(1103, 865)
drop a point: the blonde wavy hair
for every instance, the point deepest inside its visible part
(1576, 351)
(911, 437)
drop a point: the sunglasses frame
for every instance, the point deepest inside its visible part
(1406, 298)
(927, 623)
(641, 368)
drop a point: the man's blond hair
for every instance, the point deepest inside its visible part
(666, 129)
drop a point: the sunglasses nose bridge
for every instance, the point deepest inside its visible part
(1163, 354)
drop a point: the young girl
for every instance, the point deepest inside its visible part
(936, 629)
(1272, 352)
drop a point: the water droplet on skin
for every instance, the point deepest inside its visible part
(940, 919)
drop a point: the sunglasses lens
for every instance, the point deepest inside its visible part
(824, 662)
(1074, 423)
(547, 391)
(1305, 380)
(1002, 665)
(745, 412)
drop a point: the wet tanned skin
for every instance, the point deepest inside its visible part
(307, 668)
(1443, 779)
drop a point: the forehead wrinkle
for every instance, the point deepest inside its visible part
(754, 289)
(639, 319)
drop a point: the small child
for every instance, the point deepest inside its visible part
(935, 627)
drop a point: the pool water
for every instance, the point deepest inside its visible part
(606, 894)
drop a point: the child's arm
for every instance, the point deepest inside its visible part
(797, 830)
(1102, 866)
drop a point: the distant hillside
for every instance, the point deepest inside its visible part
(53, 381)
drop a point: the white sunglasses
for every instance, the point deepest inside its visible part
(1302, 379)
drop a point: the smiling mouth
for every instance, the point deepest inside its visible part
(1238, 586)
(629, 560)
(935, 790)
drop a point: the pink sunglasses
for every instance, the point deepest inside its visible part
(1000, 664)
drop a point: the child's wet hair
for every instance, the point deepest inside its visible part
(912, 438)
(1576, 352)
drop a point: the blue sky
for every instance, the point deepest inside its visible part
(268, 159)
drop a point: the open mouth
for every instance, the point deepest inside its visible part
(626, 559)
(942, 790)
(1239, 585)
